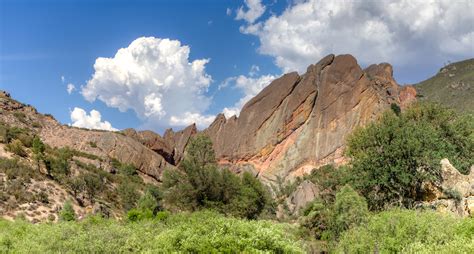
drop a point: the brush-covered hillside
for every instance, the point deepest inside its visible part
(452, 86)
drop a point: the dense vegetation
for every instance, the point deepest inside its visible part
(392, 157)
(200, 208)
(199, 232)
(200, 184)
(452, 86)
(410, 231)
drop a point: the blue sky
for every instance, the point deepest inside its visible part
(42, 41)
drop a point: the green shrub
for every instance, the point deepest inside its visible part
(201, 232)
(200, 184)
(16, 147)
(392, 157)
(409, 231)
(350, 210)
(128, 194)
(93, 185)
(67, 212)
(316, 218)
(147, 202)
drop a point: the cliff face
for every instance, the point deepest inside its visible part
(295, 124)
(298, 123)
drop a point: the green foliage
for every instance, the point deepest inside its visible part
(200, 184)
(16, 147)
(326, 221)
(395, 108)
(37, 147)
(329, 180)
(93, 185)
(409, 231)
(453, 194)
(316, 218)
(57, 163)
(393, 156)
(128, 194)
(147, 202)
(127, 169)
(201, 232)
(14, 169)
(67, 212)
(349, 210)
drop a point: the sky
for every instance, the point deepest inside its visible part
(115, 64)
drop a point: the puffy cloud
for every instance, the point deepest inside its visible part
(400, 32)
(80, 118)
(255, 10)
(250, 87)
(70, 88)
(190, 118)
(155, 78)
(63, 79)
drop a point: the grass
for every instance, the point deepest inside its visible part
(200, 232)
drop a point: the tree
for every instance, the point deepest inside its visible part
(38, 149)
(67, 212)
(393, 156)
(199, 184)
(93, 185)
(350, 210)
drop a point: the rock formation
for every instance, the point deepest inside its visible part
(298, 123)
(454, 193)
(295, 124)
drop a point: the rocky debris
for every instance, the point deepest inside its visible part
(304, 194)
(453, 194)
(300, 122)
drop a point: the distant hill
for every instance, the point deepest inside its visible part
(452, 86)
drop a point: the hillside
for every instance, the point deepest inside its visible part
(452, 86)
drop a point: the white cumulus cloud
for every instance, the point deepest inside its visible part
(80, 118)
(155, 78)
(396, 31)
(250, 86)
(70, 88)
(254, 9)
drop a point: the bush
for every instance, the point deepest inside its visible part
(392, 157)
(67, 212)
(349, 210)
(16, 147)
(200, 184)
(326, 221)
(128, 195)
(201, 232)
(409, 231)
(93, 185)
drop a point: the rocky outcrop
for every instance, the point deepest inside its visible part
(304, 194)
(105, 145)
(298, 122)
(295, 124)
(454, 193)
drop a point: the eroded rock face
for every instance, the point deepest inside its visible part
(304, 194)
(298, 122)
(107, 145)
(454, 193)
